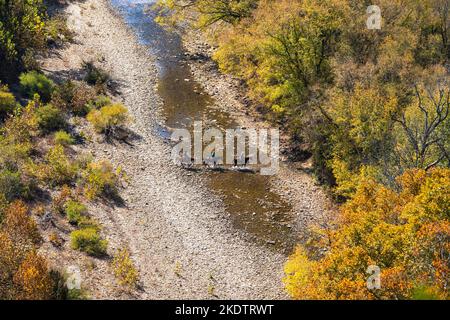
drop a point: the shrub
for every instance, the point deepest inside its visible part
(95, 75)
(108, 118)
(19, 226)
(100, 102)
(50, 118)
(23, 125)
(24, 274)
(63, 138)
(60, 169)
(55, 239)
(36, 83)
(22, 29)
(82, 97)
(86, 222)
(11, 185)
(57, 30)
(29, 61)
(101, 178)
(84, 159)
(124, 269)
(89, 241)
(74, 97)
(60, 200)
(7, 101)
(12, 155)
(77, 294)
(63, 94)
(3, 206)
(75, 211)
(33, 279)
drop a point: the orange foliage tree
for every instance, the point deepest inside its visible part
(406, 233)
(32, 278)
(23, 273)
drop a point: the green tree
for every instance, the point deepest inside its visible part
(208, 12)
(21, 32)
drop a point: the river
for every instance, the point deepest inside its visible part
(265, 217)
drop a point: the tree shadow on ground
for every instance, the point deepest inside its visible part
(123, 136)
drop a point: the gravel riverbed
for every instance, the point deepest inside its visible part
(311, 204)
(177, 230)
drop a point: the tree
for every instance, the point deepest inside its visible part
(424, 137)
(283, 52)
(33, 279)
(204, 13)
(21, 31)
(23, 273)
(362, 134)
(405, 233)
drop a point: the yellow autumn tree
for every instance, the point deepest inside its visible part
(32, 279)
(406, 233)
(338, 88)
(23, 273)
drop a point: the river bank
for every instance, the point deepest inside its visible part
(178, 231)
(310, 201)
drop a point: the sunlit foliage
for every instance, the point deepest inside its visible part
(204, 13)
(124, 269)
(23, 273)
(22, 30)
(405, 233)
(372, 107)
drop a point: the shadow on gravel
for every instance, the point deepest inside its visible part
(55, 6)
(62, 75)
(123, 135)
(113, 200)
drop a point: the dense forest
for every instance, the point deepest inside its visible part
(372, 108)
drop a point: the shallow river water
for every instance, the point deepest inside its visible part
(262, 214)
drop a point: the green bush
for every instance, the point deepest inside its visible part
(89, 241)
(95, 75)
(59, 169)
(86, 222)
(7, 101)
(100, 102)
(77, 294)
(21, 31)
(32, 83)
(100, 178)
(63, 138)
(11, 185)
(23, 126)
(13, 155)
(57, 30)
(75, 211)
(108, 118)
(50, 118)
